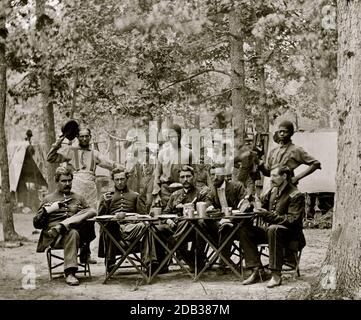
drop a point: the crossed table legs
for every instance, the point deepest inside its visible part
(193, 224)
(126, 250)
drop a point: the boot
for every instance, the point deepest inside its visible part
(275, 281)
(257, 275)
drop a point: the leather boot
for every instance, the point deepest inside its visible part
(275, 281)
(255, 277)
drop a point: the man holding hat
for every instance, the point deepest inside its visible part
(82, 160)
(288, 154)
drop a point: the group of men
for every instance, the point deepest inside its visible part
(63, 214)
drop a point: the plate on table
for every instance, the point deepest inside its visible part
(143, 216)
(168, 216)
(240, 213)
(130, 214)
(214, 213)
(105, 217)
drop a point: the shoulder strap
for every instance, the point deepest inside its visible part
(92, 161)
(76, 159)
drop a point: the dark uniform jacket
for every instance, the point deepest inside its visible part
(235, 191)
(45, 221)
(181, 197)
(118, 201)
(125, 201)
(287, 209)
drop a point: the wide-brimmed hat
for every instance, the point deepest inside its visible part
(70, 130)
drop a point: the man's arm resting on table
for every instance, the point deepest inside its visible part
(295, 212)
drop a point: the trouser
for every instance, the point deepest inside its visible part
(70, 243)
(165, 233)
(220, 232)
(79, 217)
(127, 234)
(278, 238)
(86, 229)
(197, 248)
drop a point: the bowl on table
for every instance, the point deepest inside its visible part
(120, 215)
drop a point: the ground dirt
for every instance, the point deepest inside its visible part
(16, 262)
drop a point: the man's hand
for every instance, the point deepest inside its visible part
(64, 203)
(170, 223)
(51, 207)
(108, 196)
(210, 208)
(225, 222)
(179, 206)
(294, 181)
(58, 142)
(261, 212)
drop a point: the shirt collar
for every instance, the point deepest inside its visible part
(285, 145)
(283, 187)
(223, 186)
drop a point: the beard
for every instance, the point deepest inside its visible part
(66, 190)
(187, 185)
(83, 145)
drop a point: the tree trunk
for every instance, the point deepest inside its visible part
(341, 271)
(46, 98)
(74, 94)
(262, 87)
(5, 196)
(237, 75)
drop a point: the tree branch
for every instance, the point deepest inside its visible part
(193, 76)
(216, 95)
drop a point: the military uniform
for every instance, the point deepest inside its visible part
(171, 236)
(286, 211)
(111, 203)
(83, 163)
(79, 232)
(234, 192)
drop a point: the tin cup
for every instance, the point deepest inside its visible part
(227, 211)
(201, 209)
(188, 210)
(156, 212)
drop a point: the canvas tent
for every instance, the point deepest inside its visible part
(24, 174)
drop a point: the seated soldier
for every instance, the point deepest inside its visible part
(283, 209)
(121, 200)
(61, 217)
(172, 230)
(224, 194)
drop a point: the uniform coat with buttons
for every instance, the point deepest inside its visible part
(45, 221)
(119, 201)
(286, 209)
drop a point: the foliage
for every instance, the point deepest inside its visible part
(111, 59)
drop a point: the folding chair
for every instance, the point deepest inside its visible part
(294, 249)
(56, 261)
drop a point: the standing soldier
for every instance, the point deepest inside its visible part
(82, 160)
(288, 154)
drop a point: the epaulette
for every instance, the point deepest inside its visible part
(294, 193)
